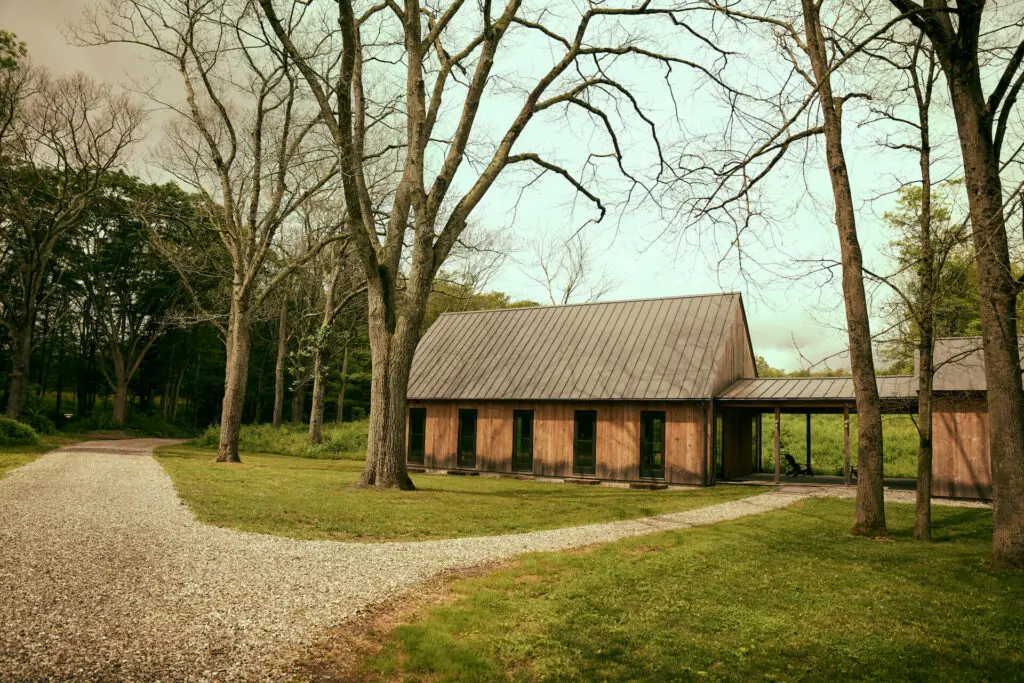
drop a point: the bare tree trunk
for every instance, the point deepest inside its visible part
(392, 344)
(58, 416)
(235, 377)
(341, 392)
(120, 402)
(316, 409)
(282, 352)
(870, 514)
(177, 392)
(998, 289)
(21, 355)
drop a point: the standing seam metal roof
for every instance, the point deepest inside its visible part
(644, 349)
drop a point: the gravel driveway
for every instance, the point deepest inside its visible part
(104, 573)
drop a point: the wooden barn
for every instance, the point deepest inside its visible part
(647, 392)
(618, 391)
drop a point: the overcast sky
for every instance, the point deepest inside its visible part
(788, 316)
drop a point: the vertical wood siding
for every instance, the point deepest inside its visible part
(618, 437)
(960, 457)
(736, 360)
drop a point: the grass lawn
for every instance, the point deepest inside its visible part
(305, 498)
(16, 456)
(784, 596)
(899, 432)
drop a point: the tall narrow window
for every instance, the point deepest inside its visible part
(417, 435)
(522, 440)
(467, 438)
(584, 454)
(652, 444)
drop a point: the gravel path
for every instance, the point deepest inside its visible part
(104, 573)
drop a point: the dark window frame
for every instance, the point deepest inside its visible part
(647, 471)
(459, 460)
(591, 468)
(517, 465)
(421, 456)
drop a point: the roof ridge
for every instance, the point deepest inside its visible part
(595, 303)
(783, 377)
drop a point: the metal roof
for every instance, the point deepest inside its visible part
(959, 364)
(815, 389)
(643, 349)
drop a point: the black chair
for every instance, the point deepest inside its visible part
(795, 470)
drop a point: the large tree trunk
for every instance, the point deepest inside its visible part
(870, 514)
(282, 353)
(998, 289)
(341, 391)
(21, 355)
(120, 402)
(235, 376)
(391, 350)
(926, 325)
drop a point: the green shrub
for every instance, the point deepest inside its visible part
(14, 433)
(140, 423)
(346, 441)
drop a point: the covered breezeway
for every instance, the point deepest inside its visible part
(739, 434)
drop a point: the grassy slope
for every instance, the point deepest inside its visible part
(827, 443)
(789, 595)
(313, 499)
(16, 456)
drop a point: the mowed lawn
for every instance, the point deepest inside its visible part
(788, 595)
(315, 499)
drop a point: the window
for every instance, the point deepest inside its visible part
(467, 438)
(417, 435)
(522, 440)
(584, 455)
(652, 444)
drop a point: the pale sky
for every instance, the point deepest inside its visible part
(785, 313)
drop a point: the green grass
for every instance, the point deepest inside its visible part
(305, 498)
(346, 441)
(900, 434)
(784, 596)
(16, 456)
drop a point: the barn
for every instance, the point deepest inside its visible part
(648, 392)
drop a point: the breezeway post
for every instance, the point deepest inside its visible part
(778, 445)
(846, 446)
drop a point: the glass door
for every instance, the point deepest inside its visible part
(417, 435)
(522, 440)
(584, 455)
(467, 438)
(652, 444)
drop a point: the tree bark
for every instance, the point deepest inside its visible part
(391, 351)
(21, 355)
(235, 378)
(998, 289)
(870, 512)
(316, 409)
(120, 403)
(282, 353)
(344, 381)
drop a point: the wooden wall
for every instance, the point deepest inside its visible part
(736, 361)
(960, 458)
(737, 443)
(618, 437)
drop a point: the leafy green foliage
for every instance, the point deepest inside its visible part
(784, 596)
(305, 498)
(12, 51)
(141, 424)
(899, 457)
(346, 441)
(14, 433)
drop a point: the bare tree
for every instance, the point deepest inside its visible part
(448, 58)
(59, 138)
(567, 272)
(981, 49)
(806, 107)
(246, 139)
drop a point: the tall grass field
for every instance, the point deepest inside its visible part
(899, 432)
(345, 441)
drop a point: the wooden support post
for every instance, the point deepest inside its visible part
(757, 442)
(778, 446)
(808, 450)
(846, 446)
